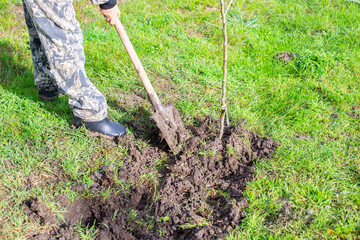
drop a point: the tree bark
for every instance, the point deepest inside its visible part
(223, 97)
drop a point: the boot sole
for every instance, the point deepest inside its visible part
(97, 134)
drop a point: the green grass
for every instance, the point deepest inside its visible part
(314, 95)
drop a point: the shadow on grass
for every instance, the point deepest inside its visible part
(18, 79)
(143, 127)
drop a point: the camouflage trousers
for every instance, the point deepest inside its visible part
(58, 56)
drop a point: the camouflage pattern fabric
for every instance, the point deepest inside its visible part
(58, 55)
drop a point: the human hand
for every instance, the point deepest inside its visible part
(111, 14)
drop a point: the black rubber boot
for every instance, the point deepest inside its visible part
(48, 93)
(103, 128)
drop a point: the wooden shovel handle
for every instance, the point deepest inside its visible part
(154, 99)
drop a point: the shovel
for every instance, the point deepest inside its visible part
(167, 117)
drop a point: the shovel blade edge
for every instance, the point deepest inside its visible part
(171, 128)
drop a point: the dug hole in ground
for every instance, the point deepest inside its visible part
(196, 194)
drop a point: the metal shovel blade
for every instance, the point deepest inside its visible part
(171, 128)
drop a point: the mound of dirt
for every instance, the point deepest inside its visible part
(285, 57)
(196, 194)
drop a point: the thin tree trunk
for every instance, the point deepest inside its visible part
(223, 98)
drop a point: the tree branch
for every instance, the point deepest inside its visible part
(227, 9)
(223, 98)
(213, 25)
(354, 1)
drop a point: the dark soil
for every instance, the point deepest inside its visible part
(196, 194)
(303, 136)
(284, 57)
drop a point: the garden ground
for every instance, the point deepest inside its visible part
(293, 76)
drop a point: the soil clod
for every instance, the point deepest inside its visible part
(38, 211)
(284, 57)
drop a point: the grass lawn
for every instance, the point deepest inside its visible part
(309, 190)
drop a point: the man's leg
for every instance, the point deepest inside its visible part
(61, 39)
(44, 80)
